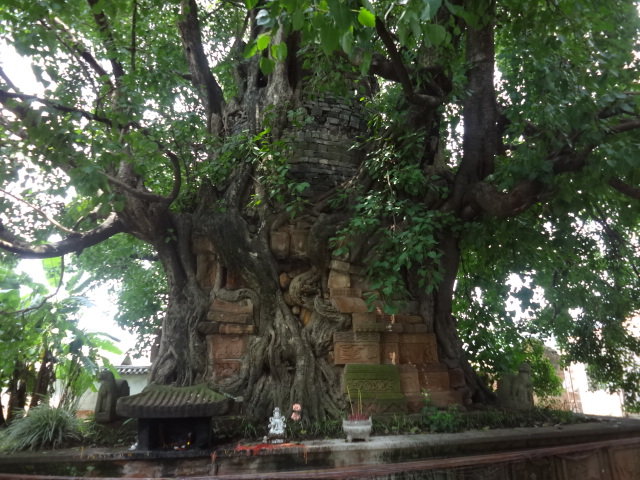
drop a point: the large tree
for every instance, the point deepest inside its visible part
(483, 141)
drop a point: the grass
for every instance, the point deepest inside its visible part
(43, 427)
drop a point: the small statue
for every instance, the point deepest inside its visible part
(108, 394)
(516, 391)
(277, 424)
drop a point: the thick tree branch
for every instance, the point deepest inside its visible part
(7, 80)
(491, 201)
(177, 176)
(201, 75)
(134, 22)
(488, 199)
(78, 48)
(480, 113)
(20, 110)
(73, 243)
(400, 70)
(625, 188)
(110, 45)
(149, 196)
(396, 59)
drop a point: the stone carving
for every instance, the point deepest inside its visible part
(231, 312)
(516, 390)
(418, 348)
(277, 424)
(358, 347)
(378, 386)
(108, 394)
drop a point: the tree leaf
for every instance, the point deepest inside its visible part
(435, 33)
(267, 65)
(366, 18)
(279, 51)
(263, 41)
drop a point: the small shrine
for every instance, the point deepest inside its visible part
(174, 418)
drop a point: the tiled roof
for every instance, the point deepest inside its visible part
(163, 401)
(132, 369)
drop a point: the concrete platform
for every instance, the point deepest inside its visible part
(339, 459)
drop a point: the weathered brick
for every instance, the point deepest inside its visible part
(280, 244)
(338, 280)
(361, 348)
(349, 304)
(445, 398)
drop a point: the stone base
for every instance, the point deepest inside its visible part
(444, 399)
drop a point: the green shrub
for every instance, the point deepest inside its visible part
(43, 427)
(122, 433)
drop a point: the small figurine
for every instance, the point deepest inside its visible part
(277, 425)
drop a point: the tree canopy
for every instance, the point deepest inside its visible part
(499, 161)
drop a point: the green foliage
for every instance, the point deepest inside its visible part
(443, 421)
(43, 427)
(564, 269)
(120, 434)
(454, 420)
(37, 328)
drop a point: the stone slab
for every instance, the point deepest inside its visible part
(345, 292)
(366, 337)
(236, 329)
(223, 369)
(418, 348)
(363, 323)
(435, 378)
(356, 352)
(444, 399)
(299, 242)
(226, 347)
(203, 245)
(340, 266)
(373, 382)
(415, 403)
(572, 440)
(338, 280)
(390, 352)
(280, 244)
(409, 380)
(229, 317)
(414, 328)
(231, 312)
(456, 378)
(206, 270)
(349, 304)
(412, 319)
(242, 306)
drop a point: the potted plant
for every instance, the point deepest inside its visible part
(357, 425)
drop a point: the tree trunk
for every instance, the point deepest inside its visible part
(43, 379)
(256, 297)
(17, 391)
